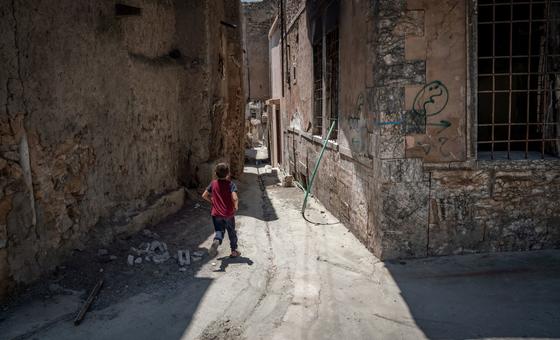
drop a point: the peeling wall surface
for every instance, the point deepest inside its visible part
(402, 174)
(104, 115)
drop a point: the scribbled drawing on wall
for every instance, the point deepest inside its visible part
(429, 101)
(425, 98)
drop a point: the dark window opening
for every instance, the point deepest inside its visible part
(318, 88)
(518, 79)
(331, 81)
(125, 10)
(326, 71)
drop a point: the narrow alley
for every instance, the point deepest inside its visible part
(294, 280)
(279, 169)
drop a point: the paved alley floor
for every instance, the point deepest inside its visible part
(297, 280)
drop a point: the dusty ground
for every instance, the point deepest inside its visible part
(295, 280)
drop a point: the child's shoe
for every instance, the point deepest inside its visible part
(213, 251)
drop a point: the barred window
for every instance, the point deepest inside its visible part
(518, 79)
(326, 70)
(318, 88)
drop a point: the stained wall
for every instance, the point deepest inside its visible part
(403, 174)
(105, 115)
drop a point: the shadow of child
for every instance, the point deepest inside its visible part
(226, 261)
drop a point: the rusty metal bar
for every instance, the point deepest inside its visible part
(528, 81)
(510, 77)
(493, 78)
(514, 139)
(545, 86)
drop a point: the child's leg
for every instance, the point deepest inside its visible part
(219, 226)
(232, 234)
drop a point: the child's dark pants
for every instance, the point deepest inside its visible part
(221, 224)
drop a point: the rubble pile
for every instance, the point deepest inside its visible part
(156, 251)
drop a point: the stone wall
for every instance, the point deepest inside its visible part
(408, 185)
(105, 115)
(258, 18)
(344, 182)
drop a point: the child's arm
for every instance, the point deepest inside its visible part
(206, 196)
(235, 200)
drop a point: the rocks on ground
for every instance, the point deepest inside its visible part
(157, 251)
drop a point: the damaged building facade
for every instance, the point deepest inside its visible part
(446, 114)
(108, 111)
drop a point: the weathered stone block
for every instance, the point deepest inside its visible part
(403, 221)
(410, 24)
(401, 170)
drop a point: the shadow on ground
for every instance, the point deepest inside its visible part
(226, 261)
(46, 309)
(266, 177)
(503, 295)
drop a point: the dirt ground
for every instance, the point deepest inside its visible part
(296, 279)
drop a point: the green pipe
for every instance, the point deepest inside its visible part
(308, 191)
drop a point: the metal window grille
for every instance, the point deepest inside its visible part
(518, 79)
(318, 88)
(332, 80)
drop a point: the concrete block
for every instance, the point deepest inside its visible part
(184, 257)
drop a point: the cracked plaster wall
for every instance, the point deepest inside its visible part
(98, 120)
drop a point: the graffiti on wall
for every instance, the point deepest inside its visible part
(437, 143)
(430, 101)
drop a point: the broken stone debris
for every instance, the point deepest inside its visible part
(288, 181)
(198, 253)
(150, 234)
(102, 252)
(130, 260)
(184, 257)
(154, 251)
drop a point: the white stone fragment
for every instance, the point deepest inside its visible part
(198, 253)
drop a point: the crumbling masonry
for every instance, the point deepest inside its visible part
(107, 111)
(408, 185)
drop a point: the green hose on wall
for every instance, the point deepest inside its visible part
(308, 191)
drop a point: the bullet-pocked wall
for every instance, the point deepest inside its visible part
(405, 172)
(108, 110)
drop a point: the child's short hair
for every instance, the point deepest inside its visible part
(222, 170)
